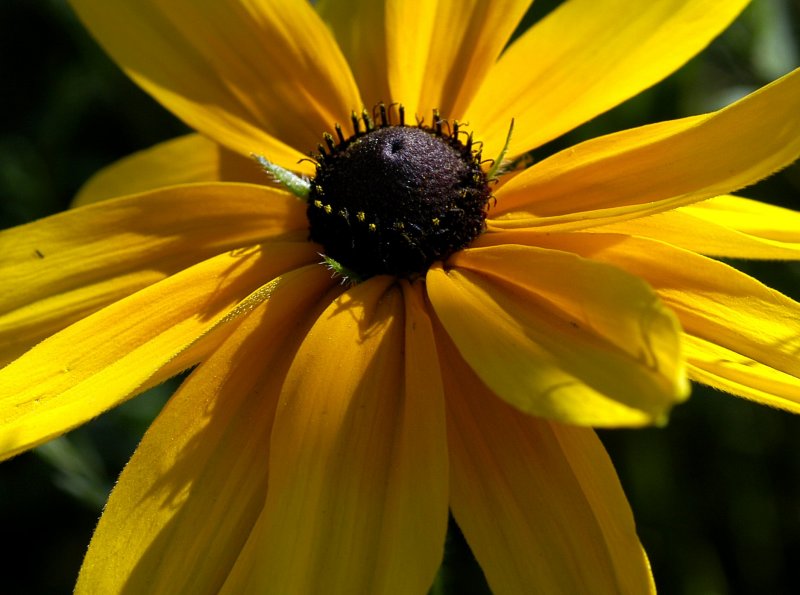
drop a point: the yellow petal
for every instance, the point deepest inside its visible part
(358, 26)
(137, 342)
(725, 226)
(185, 160)
(389, 60)
(658, 167)
(440, 61)
(59, 269)
(264, 77)
(185, 503)
(586, 57)
(357, 499)
(560, 336)
(408, 48)
(466, 40)
(539, 502)
(437, 63)
(751, 217)
(734, 373)
(713, 301)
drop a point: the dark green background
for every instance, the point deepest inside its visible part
(716, 494)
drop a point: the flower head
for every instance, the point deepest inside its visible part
(327, 429)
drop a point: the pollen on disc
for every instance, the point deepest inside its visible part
(396, 199)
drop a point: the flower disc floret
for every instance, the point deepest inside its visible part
(395, 199)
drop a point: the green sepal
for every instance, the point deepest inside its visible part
(497, 168)
(297, 185)
(349, 277)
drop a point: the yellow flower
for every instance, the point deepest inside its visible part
(327, 430)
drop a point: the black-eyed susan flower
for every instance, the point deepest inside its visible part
(327, 429)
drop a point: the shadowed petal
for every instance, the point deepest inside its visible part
(538, 502)
(358, 27)
(137, 342)
(59, 269)
(357, 500)
(264, 77)
(467, 39)
(586, 57)
(438, 63)
(560, 336)
(184, 160)
(184, 506)
(658, 167)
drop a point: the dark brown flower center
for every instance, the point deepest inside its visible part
(394, 199)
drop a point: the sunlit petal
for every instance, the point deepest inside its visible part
(184, 506)
(732, 372)
(59, 269)
(586, 57)
(713, 301)
(560, 336)
(751, 217)
(264, 77)
(658, 167)
(725, 226)
(134, 343)
(185, 160)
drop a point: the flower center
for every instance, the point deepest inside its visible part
(393, 199)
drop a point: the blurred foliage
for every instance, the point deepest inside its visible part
(716, 494)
